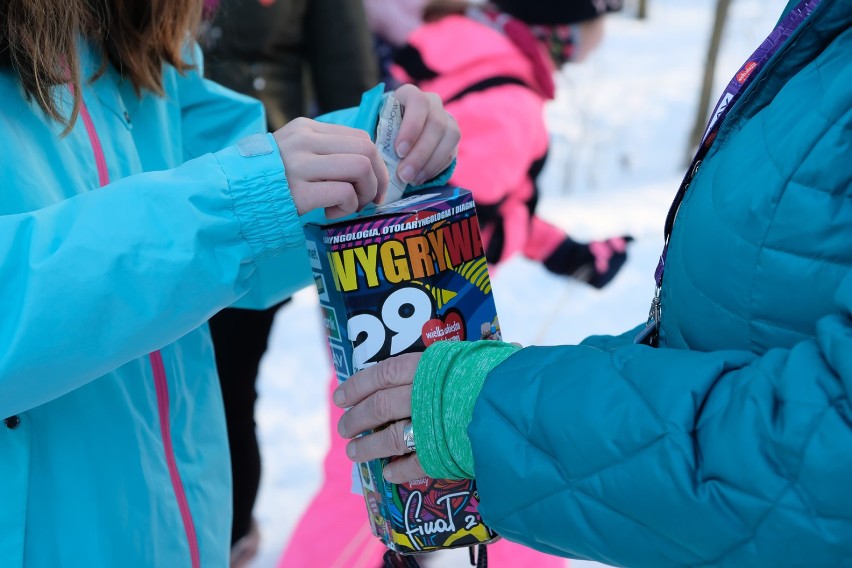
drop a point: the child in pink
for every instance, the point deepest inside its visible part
(494, 72)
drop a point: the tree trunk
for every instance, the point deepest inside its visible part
(642, 10)
(709, 72)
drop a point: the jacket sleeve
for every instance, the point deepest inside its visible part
(661, 457)
(97, 280)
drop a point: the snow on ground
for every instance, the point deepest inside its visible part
(619, 126)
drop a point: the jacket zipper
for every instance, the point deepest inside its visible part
(162, 387)
(160, 380)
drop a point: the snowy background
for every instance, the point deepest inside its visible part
(620, 125)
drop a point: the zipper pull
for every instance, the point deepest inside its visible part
(650, 333)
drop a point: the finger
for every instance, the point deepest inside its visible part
(382, 181)
(340, 211)
(450, 159)
(412, 168)
(378, 409)
(417, 107)
(353, 168)
(441, 158)
(295, 132)
(328, 144)
(337, 129)
(339, 196)
(385, 443)
(403, 470)
(392, 372)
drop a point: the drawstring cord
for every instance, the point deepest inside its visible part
(478, 558)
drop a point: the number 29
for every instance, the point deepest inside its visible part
(403, 314)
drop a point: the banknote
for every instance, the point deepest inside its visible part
(387, 131)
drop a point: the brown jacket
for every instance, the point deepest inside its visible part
(299, 57)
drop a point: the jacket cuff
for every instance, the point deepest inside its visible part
(447, 383)
(261, 196)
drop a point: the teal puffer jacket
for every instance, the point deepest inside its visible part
(113, 449)
(731, 444)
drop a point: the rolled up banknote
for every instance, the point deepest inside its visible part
(386, 132)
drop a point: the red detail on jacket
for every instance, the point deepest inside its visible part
(747, 69)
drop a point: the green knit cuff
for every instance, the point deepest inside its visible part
(447, 383)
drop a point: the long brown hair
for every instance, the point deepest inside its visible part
(38, 39)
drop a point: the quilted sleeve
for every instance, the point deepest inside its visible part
(665, 457)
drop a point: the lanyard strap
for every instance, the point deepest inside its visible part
(735, 88)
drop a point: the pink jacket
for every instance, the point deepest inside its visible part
(503, 130)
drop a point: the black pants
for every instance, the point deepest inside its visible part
(240, 338)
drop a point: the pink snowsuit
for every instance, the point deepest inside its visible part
(497, 93)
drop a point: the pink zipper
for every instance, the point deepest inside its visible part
(100, 159)
(160, 381)
(163, 407)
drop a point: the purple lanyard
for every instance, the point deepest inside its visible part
(735, 88)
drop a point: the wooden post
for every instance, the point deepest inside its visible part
(704, 101)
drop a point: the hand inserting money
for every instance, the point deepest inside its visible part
(419, 137)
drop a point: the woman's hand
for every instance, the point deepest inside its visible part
(381, 396)
(428, 136)
(329, 166)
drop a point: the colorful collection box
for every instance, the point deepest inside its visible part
(393, 280)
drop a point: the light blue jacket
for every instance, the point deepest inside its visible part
(731, 444)
(111, 456)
